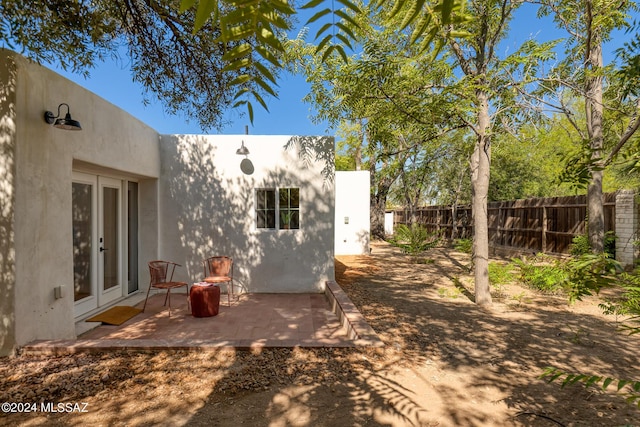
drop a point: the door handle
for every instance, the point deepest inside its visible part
(103, 249)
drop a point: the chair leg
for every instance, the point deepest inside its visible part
(229, 290)
(145, 300)
(169, 298)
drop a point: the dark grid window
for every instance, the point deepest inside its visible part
(286, 205)
(289, 208)
(266, 208)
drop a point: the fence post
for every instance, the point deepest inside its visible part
(543, 240)
(626, 227)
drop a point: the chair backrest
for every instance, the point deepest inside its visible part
(159, 270)
(218, 266)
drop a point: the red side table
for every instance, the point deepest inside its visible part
(205, 299)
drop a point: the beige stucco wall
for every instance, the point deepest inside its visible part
(111, 142)
(7, 203)
(207, 208)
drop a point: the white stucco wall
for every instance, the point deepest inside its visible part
(208, 208)
(111, 142)
(388, 223)
(352, 219)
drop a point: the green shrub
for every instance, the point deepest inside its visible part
(415, 239)
(628, 303)
(580, 244)
(589, 273)
(463, 245)
(542, 277)
(500, 274)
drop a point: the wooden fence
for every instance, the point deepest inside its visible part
(534, 225)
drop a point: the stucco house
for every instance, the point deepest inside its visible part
(82, 212)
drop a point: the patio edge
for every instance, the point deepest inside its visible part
(356, 327)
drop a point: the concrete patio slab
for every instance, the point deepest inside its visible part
(252, 321)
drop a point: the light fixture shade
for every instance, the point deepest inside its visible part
(67, 123)
(242, 151)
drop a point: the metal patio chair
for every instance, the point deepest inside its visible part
(159, 270)
(218, 270)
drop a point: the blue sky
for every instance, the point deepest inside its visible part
(287, 114)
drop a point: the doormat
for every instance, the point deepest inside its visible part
(115, 315)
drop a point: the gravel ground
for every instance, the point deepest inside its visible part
(446, 362)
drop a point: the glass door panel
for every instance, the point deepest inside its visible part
(109, 239)
(110, 283)
(132, 234)
(82, 241)
(83, 202)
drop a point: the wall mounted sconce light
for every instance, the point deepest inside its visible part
(67, 123)
(243, 151)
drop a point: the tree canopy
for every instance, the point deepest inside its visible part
(184, 70)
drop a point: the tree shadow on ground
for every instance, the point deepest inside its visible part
(498, 348)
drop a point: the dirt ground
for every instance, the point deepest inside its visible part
(446, 362)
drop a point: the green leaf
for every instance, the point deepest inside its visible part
(328, 53)
(411, 15)
(266, 72)
(239, 103)
(240, 80)
(337, 48)
(318, 16)
(311, 4)
(344, 40)
(606, 383)
(351, 6)
(622, 383)
(258, 98)
(236, 65)
(186, 5)
(268, 56)
(237, 52)
(322, 29)
(346, 17)
(447, 7)
(421, 27)
(592, 380)
(397, 7)
(260, 82)
(250, 111)
(283, 7)
(206, 8)
(323, 43)
(241, 92)
(268, 38)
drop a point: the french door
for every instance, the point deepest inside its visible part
(100, 242)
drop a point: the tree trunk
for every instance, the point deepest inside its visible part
(380, 189)
(357, 155)
(480, 162)
(594, 114)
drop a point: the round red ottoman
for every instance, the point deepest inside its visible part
(205, 300)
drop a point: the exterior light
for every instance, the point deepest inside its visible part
(242, 151)
(67, 123)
